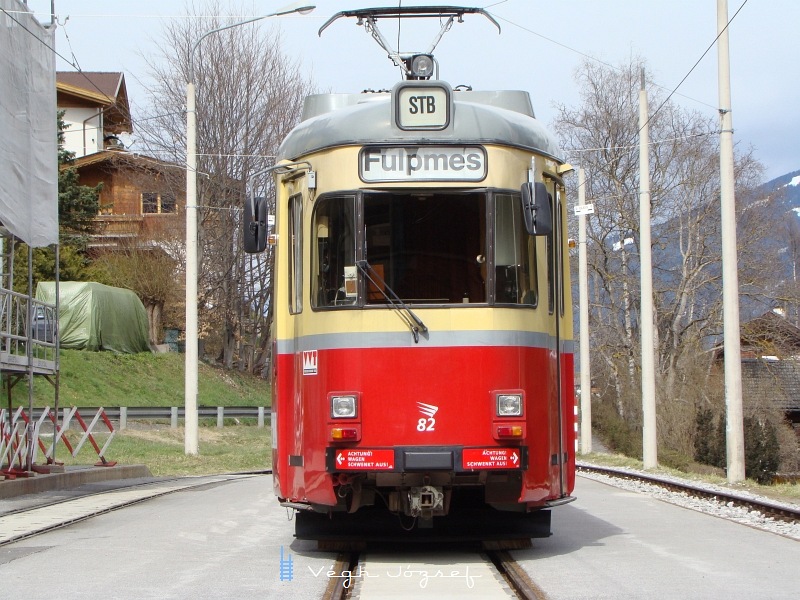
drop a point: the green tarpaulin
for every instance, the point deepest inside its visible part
(93, 316)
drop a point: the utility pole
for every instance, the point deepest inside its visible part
(649, 435)
(583, 287)
(734, 427)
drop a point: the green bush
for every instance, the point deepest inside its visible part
(615, 431)
(761, 450)
(761, 447)
(704, 440)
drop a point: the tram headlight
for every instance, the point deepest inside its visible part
(343, 407)
(509, 405)
(421, 66)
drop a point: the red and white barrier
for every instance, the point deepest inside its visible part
(19, 438)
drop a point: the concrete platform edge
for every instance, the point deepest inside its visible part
(71, 478)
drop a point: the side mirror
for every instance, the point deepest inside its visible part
(536, 209)
(255, 224)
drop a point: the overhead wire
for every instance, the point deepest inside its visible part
(672, 92)
(74, 63)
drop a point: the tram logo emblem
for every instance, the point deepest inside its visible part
(428, 410)
(428, 423)
(310, 360)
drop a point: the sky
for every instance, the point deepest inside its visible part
(539, 48)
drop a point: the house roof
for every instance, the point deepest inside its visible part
(120, 158)
(771, 334)
(106, 91)
(775, 379)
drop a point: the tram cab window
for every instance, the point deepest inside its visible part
(514, 254)
(428, 247)
(333, 252)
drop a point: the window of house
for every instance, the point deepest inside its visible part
(167, 203)
(154, 203)
(149, 203)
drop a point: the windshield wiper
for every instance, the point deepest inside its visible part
(413, 322)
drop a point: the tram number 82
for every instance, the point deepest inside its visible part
(426, 424)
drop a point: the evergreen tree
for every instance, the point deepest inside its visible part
(761, 450)
(704, 436)
(719, 450)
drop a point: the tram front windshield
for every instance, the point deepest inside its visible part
(427, 248)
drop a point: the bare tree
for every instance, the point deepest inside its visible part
(147, 270)
(249, 95)
(602, 136)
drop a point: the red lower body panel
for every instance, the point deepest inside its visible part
(417, 406)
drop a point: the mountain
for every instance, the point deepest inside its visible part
(785, 191)
(781, 207)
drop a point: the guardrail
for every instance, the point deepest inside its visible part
(123, 414)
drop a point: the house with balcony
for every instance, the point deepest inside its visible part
(141, 197)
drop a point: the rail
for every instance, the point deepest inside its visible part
(124, 414)
(767, 507)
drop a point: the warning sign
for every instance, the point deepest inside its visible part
(351, 459)
(490, 458)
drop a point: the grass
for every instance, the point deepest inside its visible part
(108, 379)
(230, 449)
(90, 379)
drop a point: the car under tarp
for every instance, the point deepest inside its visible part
(93, 316)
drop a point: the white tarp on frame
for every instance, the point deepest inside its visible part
(28, 129)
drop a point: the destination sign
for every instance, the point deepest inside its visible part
(422, 163)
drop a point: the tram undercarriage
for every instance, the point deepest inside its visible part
(419, 512)
(435, 506)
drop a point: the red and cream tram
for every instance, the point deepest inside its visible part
(422, 335)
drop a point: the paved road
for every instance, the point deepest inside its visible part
(221, 541)
(230, 540)
(615, 544)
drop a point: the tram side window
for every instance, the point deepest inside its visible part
(296, 254)
(553, 255)
(333, 253)
(558, 224)
(515, 273)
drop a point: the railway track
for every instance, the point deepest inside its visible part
(766, 507)
(491, 574)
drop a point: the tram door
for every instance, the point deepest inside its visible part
(292, 404)
(304, 386)
(556, 306)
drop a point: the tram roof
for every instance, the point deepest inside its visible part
(480, 117)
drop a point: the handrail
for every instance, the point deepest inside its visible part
(22, 320)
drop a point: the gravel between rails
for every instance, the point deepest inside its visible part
(722, 509)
